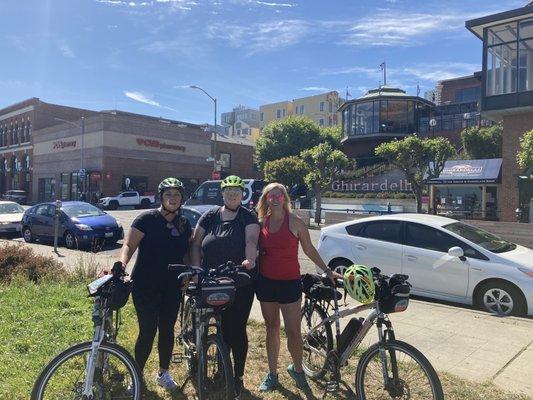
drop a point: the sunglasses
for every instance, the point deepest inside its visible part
(232, 190)
(173, 230)
(275, 196)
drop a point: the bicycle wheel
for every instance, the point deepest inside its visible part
(116, 375)
(411, 376)
(317, 344)
(215, 371)
(186, 336)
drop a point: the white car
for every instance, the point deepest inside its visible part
(444, 258)
(10, 217)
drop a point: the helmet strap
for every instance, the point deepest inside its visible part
(166, 212)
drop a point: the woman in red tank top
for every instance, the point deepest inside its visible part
(278, 285)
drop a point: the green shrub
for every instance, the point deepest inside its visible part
(370, 195)
(18, 260)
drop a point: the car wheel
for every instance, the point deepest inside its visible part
(27, 235)
(340, 265)
(501, 298)
(70, 240)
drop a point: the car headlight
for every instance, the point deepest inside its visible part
(83, 227)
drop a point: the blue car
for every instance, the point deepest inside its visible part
(81, 224)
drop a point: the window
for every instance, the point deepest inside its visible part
(321, 122)
(387, 231)
(302, 109)
(238, 125)
(353, 230)
(225, 160)
(468, 94)
(501, 69)
(426, 237)
(525, 66)
(278, 113)
(129, 194)
(42, 210)
(261, 116)
(321, 106)
(364, 119)
(283, 112)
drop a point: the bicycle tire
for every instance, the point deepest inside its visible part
(214, 385)
(399, 388)
(128, 365)
(322, 341)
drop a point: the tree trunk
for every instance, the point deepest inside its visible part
(418, 195)
(318, 196)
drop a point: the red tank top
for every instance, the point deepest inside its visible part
(278, 257)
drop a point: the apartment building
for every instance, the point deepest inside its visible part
(321, 108)
(242, 121)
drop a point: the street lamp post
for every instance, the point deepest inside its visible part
(82, 149)
(215, 135)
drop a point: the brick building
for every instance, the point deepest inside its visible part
(42, 148)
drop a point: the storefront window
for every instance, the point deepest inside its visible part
(459, 200)
(65, 191)
(74, 195)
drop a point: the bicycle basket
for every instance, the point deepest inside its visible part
(395, 299)
(119, 293)
(217, 294)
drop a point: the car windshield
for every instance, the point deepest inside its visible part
(480, 237)
(81, 210)
(10, 208)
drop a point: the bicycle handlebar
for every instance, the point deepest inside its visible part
(228, 269)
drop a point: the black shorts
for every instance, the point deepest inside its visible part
(278, 291)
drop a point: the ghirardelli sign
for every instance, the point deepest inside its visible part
(154, 143)
(61, 144)
(462, 169)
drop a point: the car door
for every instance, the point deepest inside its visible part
(128, 199)
(431, 270)
(48, 226)
(38, 220)
(378, 244)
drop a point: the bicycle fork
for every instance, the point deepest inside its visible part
(384, 336)
(98, 337)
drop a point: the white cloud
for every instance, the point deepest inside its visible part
(142, 98)
(440, 71)
(66, 50)
(266, 36)
(315, 89)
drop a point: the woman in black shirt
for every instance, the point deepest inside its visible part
(162, 237)
(230, 233)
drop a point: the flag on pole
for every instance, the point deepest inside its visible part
(382, 65)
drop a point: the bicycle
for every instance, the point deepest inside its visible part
(100, 369)
(204, 349)
(388, 369)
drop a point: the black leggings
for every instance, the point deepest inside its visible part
(234, 321)
(156, 310)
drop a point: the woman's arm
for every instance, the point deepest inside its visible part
(196, 246)
(251, 232)
(131, 244)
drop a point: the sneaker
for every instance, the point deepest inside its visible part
(299, 378)
(165, 380)
(238, 385)
(269, 383)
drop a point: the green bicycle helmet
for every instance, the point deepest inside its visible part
(359, 283)
(232, 181)
(170, 183)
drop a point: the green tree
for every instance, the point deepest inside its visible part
(332, 135)
(288, 170)
(419, 159)
(479, 143)
(286, 138)
(324, 164)
(525, 155)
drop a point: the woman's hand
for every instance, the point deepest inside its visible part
(248, 264)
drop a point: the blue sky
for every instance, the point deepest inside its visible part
(141, 55)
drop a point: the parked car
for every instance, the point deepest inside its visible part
(10, 217)
(445, 259)
(208, 193)
(80, 224)
(129, 198)
(192, 215)
(18, 196)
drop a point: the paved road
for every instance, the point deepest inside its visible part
(468, 343)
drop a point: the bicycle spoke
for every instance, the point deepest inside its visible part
(411, 382)
(215, 379)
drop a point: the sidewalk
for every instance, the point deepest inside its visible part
(470, 344)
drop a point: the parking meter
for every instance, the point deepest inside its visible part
(56, 228)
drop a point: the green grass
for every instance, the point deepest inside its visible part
(39, 321)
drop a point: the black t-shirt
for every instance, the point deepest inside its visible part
(159, 247)
(225, 240)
